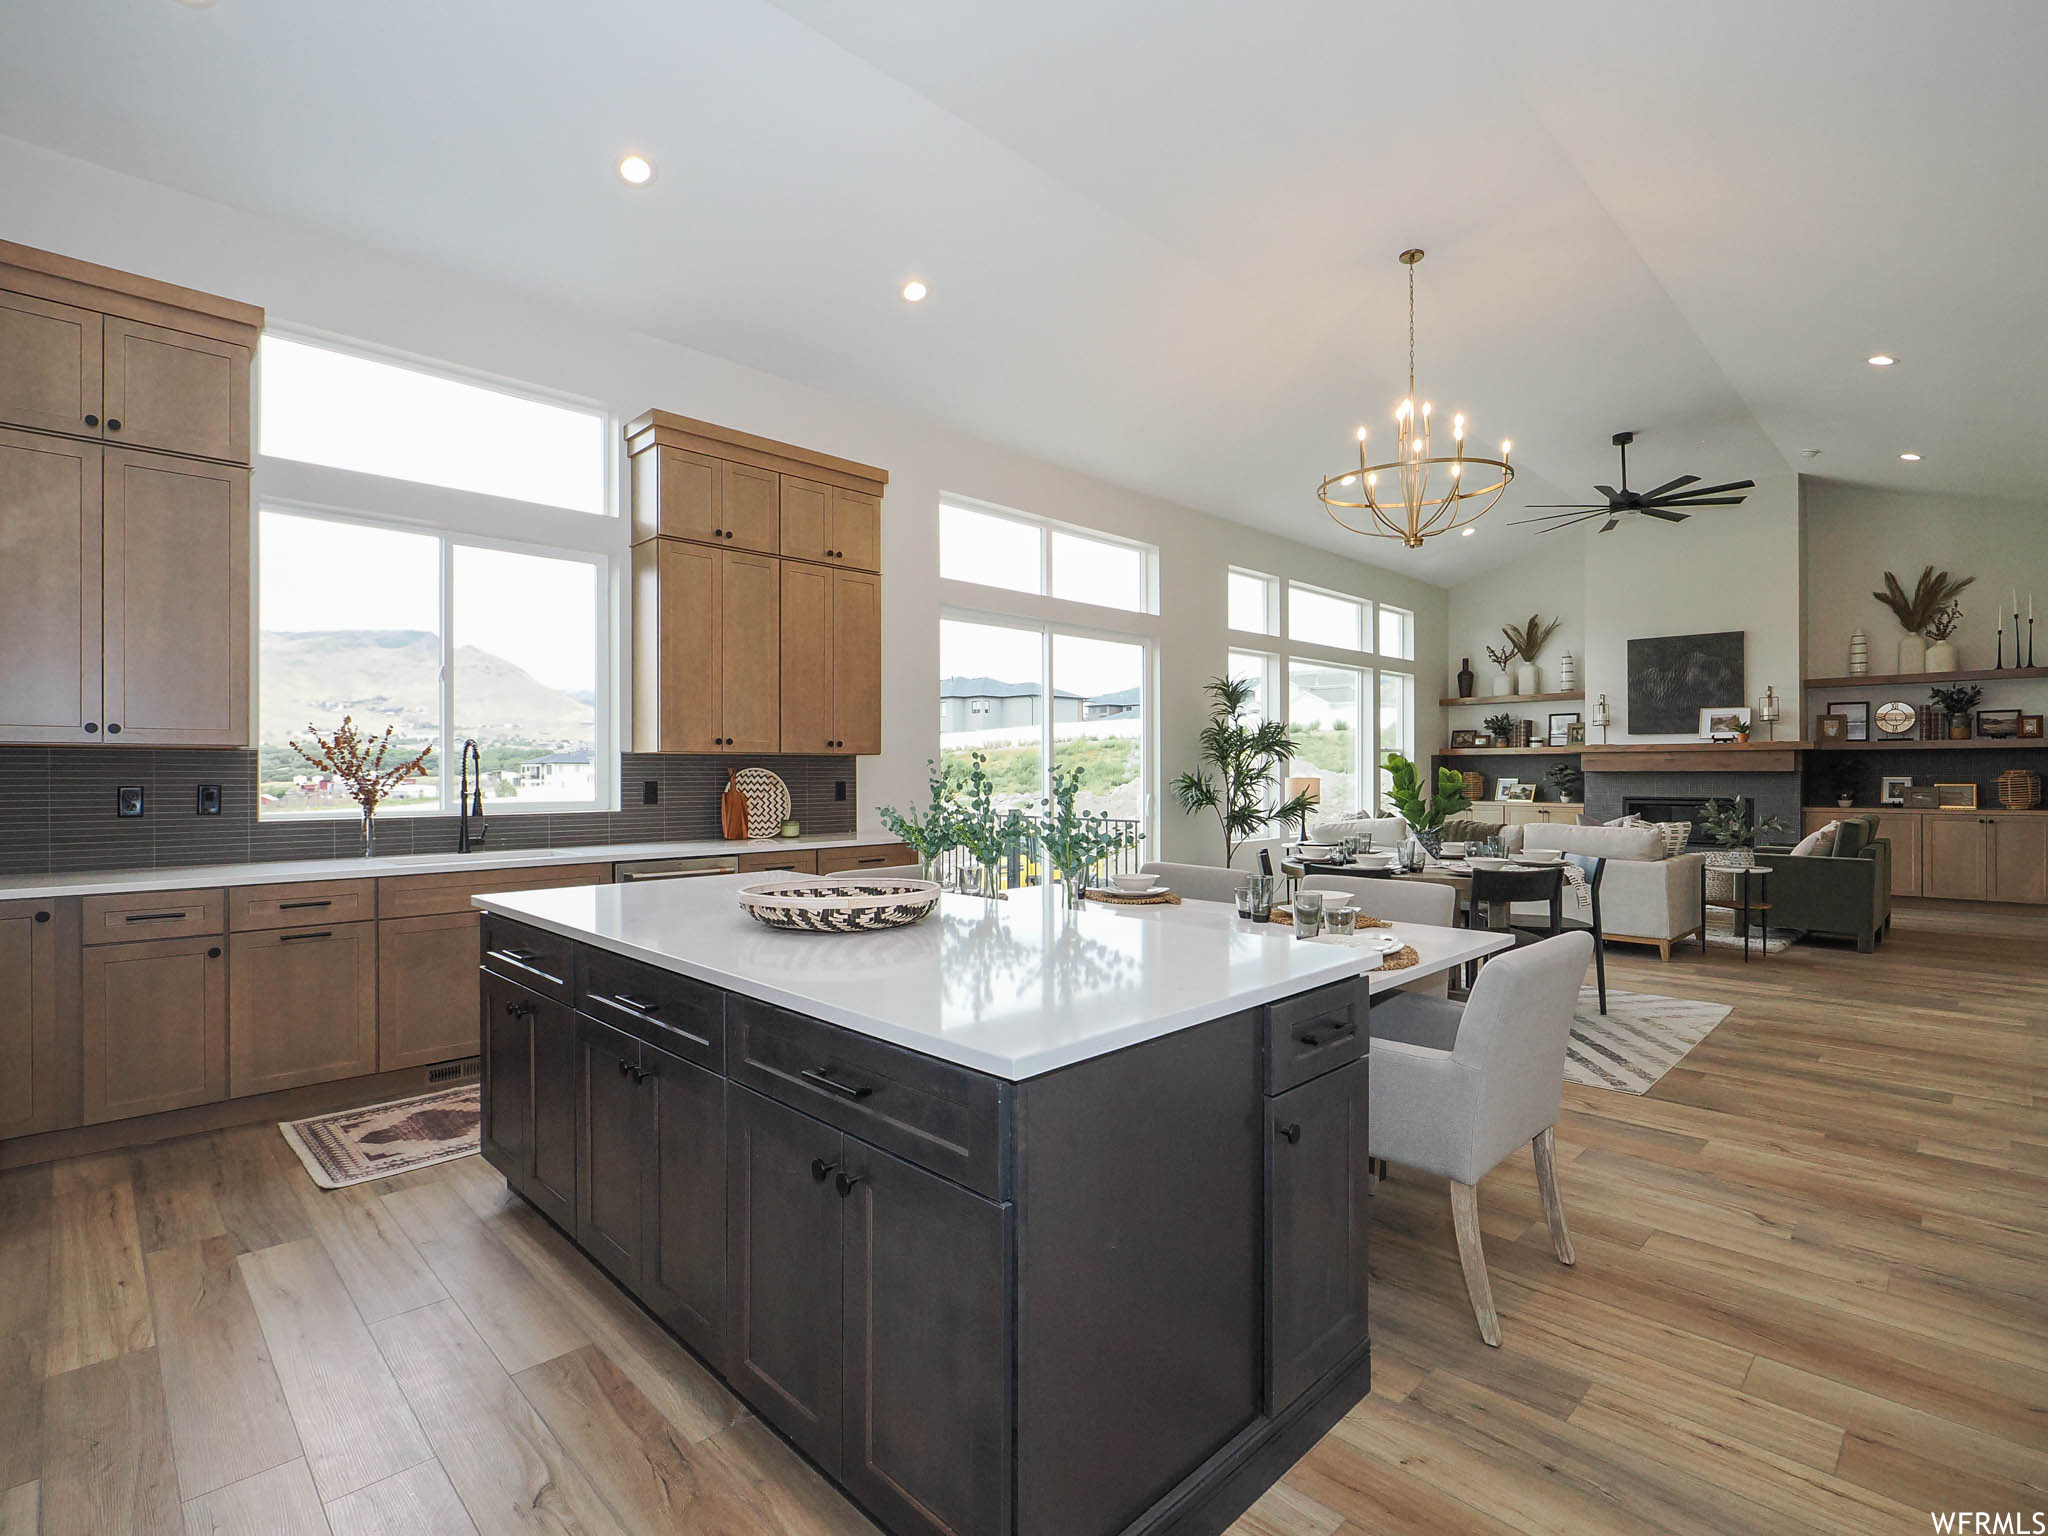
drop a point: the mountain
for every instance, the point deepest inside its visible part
(392, 677)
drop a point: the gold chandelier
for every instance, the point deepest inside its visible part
(1422, 511)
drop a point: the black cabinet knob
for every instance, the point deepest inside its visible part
(113, 425)
(641, 1074)
(519, 1008)
(92, 421)
(92, 727)
(113, 730)
(625, 1067)
(822, 1170)
(1289, 1133)
(42, 917)
(845, 1182)
(213, 953)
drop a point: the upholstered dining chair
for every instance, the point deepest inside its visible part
(1456, 1089)
(1197, 882)
(1399, 901)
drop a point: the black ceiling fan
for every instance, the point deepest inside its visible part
(1672, 501)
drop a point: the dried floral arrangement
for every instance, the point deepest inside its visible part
(358, 761)
(1503, 658)
(1527, 640)
(1944, 622)
(1933, 592)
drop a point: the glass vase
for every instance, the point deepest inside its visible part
(369, 831)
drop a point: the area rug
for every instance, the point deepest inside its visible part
(1721, 935)
(1636, 1041)
(354, 1146)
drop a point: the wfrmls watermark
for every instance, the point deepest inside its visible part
(1963, 1522)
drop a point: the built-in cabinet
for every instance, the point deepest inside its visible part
(1960, 855)
(1522, 813)
(38, 1014)
(757, 618)
(124, 484)
(302, 1006)
(153, 1026)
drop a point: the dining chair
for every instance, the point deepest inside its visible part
(1454, 1090)
(1197, 882)
(1399, 901)
(1561, 919)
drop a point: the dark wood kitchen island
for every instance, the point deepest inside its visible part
(1018, 1222)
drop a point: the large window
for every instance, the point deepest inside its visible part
(348, 411)
(1026, 697)
(463, 593)
(1326, 718)
(1023, 554)
(1327, 618)
(1397, 723)
(1397, 633)
(440, 641)
(1254, 603)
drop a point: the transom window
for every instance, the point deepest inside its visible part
(1327, 618)
(1017, 553)
(1254, 603)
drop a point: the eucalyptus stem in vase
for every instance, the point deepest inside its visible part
(930, 836)
(357, 761)
(1076, 842)
(985, 833)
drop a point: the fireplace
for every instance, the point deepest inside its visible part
(1675, 808)
(1670, 796)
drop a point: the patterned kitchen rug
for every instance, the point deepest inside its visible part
(1637, 1040)
(353, 1146)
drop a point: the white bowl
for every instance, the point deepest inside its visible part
(1134, 885)
(1480, 863)
(1334, 899)
(1539, 856)
(1453, 850)
(1318, 850)
(1373, 860)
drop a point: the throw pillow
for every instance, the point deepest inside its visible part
(1676, 835)
(1626, 821)
(1818, 844)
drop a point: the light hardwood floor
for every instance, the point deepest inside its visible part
(1811, 1295)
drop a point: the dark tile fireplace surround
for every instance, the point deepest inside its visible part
(1652, 795)
(57, 810)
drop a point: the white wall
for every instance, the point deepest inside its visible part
(307, 279)
(1550, 581)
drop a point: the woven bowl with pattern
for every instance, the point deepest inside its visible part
(840, 906)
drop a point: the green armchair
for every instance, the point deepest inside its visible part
(1846, 894)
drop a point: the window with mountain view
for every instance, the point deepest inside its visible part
(354, 623)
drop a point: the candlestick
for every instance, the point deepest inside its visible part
(2001, 641)
(2030, 636)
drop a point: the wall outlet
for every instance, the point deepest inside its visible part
(209, 800)
(128, 800)
(839, 789)
(650, 792)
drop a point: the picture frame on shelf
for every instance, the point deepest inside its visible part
(1892, 788)
(1921, 797)
(1831, 728)
(1465, 739)
(1955, 797)
(1857, 713)
(1516, 789)
(1723, 724)
(1575, 735)
(2030, 726)
(1561, 726)
(1998, 724)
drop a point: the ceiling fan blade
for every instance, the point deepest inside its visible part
(1609, 492)
(1609, 525)
(1669, 485)
(1576, 506)
(1669, 517)
(1558, 520)
(1714, 490)
(1704, 501)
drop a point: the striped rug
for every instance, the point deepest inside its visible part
(1637, 1040)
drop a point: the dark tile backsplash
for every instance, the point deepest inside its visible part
(57, 810)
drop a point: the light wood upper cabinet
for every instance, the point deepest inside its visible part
(154, 1024)
(39, 1024)
(856, 662)
(175, 392)
(748, 510)
(49, 365)
(49, 589)
(679, 493)
(806, 519)
(302, 1006)
(831, 660)
(856, 529)
(706, 629)
(831, 524)
(175, 641)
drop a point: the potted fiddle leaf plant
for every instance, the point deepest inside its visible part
(1956, 700)
(1425, 817)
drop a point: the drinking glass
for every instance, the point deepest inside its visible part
(1308, 914)
(1260, 890)
(1341, 921)
(1244, 896)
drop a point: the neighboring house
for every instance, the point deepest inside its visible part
(564, 775)
(1120, 705)
(988, 704)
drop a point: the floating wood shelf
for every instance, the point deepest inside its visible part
(1932, 679)
(1695, 757)
(1540, 751)
(1973, 744)
(1517, 698)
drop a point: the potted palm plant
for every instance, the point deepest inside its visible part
(1425, 817)
(1239, 761)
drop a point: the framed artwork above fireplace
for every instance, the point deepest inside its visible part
(1671, 678)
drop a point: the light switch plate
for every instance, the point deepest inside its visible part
(128, 800)
(209, 800)
(650, 791)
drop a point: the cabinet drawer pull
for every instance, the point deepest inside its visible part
(42, 917)
(516, 956)
(625, 1067)
(1288, 1133)
(293, 938)
(823, 1078)
(1315, 1039)
(869, 863)
(845, 1182)
(113, 424)
(641, 1074)
(822, 1170)
(154, 917)
(519, 1008)
(632, 1004)
(295, 906)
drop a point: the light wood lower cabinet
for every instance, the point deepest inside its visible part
(426, 989)
(302, 1007)
(38, 1017)
(2019, 858)
(1522, 813)
(1960, 855)
(799, 861)
(832, 861)
(1956, 857)
(1903, 833)
(154, 1020)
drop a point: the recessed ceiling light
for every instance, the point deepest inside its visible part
(1882, 360)
(914, 291)
(1910, 458)
(1468, 532)
(199, 5)
(637, 170)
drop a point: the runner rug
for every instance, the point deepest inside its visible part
(354, 1146)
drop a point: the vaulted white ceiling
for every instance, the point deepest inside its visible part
(1161, 234)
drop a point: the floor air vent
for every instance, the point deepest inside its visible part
(456, 1071)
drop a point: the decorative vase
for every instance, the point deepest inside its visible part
(1074, 887)
(1720, 871)
(1528, 677)
(1465, 678)
(1431, 838)
(369, 831)
(1912, 654)
(1859, 652)
(1568, 672)
(1958, 727)
(1503, 684)
(1941, 656)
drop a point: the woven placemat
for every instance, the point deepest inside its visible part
(1401, 959)
(1125, 899)
(1286, 915)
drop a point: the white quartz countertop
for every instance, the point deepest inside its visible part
(1013, 988)
(281, 871)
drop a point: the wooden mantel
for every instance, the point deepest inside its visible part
(1694, 757)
